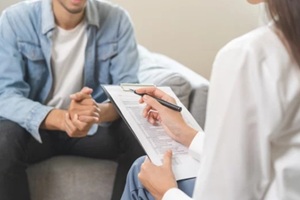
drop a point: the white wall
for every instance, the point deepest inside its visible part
(5, 3)
(190, 31)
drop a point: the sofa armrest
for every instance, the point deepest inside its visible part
(190, 87)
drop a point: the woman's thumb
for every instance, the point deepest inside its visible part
(168, 159)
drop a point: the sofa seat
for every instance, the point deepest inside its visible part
(71, 177)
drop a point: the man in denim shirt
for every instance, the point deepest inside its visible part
(51, 49)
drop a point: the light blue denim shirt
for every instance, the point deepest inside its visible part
(26, 79)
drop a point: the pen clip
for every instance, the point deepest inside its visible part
(132, 90)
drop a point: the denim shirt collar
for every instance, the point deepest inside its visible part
(92, 14)
(48, 21)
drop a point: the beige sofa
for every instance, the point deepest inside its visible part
(77, 178)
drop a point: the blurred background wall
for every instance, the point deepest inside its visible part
(189, 31)
(5, 3)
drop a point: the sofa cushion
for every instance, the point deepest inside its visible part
(71, 177)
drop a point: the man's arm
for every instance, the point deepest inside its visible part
(124, 66)
(14, 90)
(54, 120)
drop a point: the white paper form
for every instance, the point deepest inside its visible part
(154, 138)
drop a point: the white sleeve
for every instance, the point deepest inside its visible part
(195, 150)
(196, 146)
(243, 110)
(175, 193)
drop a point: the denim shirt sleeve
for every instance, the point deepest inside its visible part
(125, 65)
(124, 60)
(15, 104)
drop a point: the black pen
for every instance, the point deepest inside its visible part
(161, 101)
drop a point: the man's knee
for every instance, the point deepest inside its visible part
(12, 141)
(128, 141)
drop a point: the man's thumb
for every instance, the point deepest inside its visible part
(86, 90)
(84, 93)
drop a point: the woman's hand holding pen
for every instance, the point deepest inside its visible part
(171, 120)
(159, 179)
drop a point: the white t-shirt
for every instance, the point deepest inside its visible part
(252, 136)
(68, 56)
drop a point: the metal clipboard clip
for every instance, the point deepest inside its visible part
(128, 87)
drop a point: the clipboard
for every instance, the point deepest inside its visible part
(154, 139)
(134, 86)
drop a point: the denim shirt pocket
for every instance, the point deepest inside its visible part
(31, 51)
(36, 72)
(105, 53)
(107, 50)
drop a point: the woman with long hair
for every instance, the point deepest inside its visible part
(252, 133)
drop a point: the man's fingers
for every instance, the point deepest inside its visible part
(71, 129)
(91, 112)
(69, 126)
(79, 96)
(81, 126)
(86, 90)
(68, 123)
(88, 119)
(83, 94)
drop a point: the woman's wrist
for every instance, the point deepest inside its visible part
(187, 135)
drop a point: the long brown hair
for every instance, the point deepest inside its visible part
(286, 15)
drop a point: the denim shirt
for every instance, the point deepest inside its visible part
(26, 79)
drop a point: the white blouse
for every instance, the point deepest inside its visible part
(252, 143)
